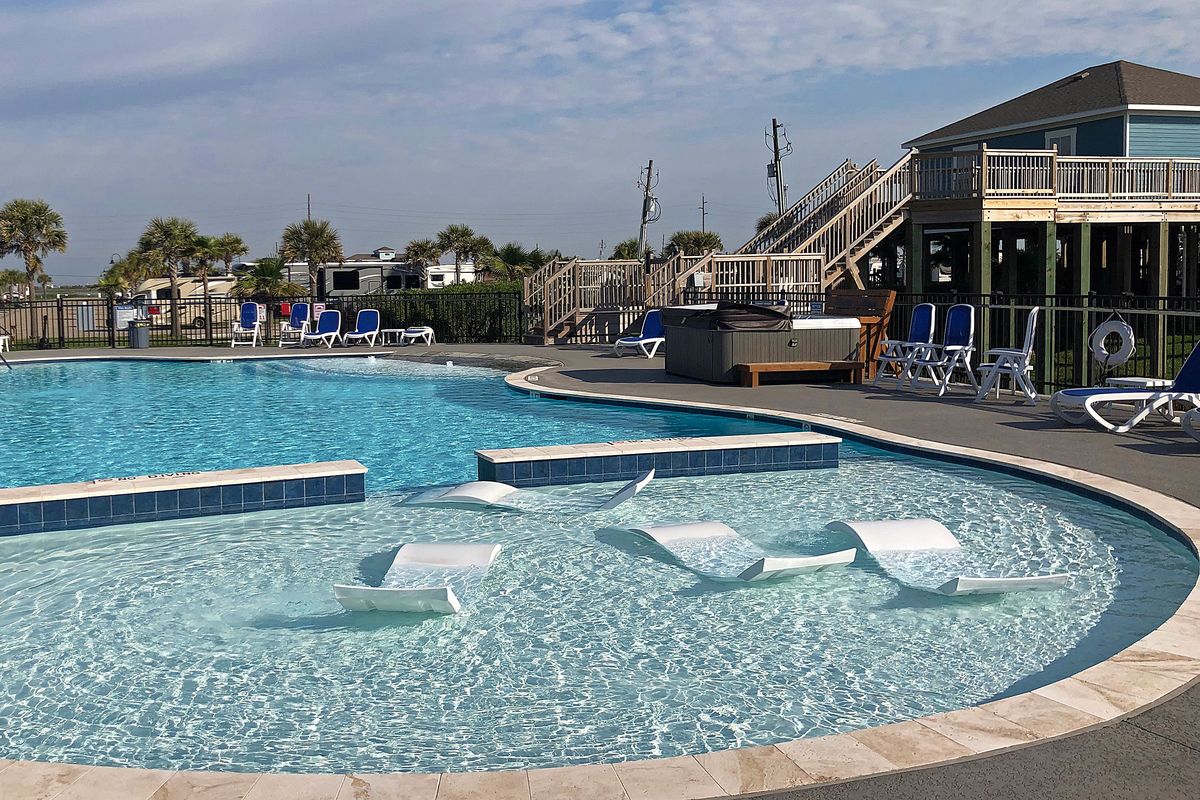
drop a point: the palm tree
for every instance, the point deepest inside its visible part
(170, 241)
(34, 230)
(479, 250)
(315, 242)
(765, 221)
(204, 256)
(693, 243)
(229, 246)
(124, 275)
(455, 238)
(422, 254)
(267, 278)
(513, 261)
(46, 282)
(625, 251)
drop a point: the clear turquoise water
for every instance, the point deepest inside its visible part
(216, 643)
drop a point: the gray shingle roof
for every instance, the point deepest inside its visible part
(1097, 88)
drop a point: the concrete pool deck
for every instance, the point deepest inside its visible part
(1151, 754)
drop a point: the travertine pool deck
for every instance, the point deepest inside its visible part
(1136, 716)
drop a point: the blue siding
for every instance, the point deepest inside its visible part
(1098, 137)
(1164, 136)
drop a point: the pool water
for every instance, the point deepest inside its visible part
(411, 424)
(215, 643)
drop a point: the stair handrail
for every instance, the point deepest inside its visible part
(559, 302)
(855, 186)
(896, 177)
(839, 175)
(703, 262)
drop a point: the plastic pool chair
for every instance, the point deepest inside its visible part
(329, 328)
(1191, 423)
(1016, 364)
(246, 327)
(896, 352)
(366, 327)
(650, 338)
(941, 361)
(1081, 405)
(295, 326)
(422, 578)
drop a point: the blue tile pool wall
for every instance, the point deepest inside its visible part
(93, 512)
(589, 469)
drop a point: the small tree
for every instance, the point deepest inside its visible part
(315, 242)
(10, 279)
(765, 221)
(229, 246)
(693, 243)
(266, 279)
(625, 250)
(33, 230)
(204, 256)
(479, 250)
(46, 282)
(422, 253)
(171, 241)
(456, 238)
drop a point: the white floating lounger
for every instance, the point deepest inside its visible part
(422, 578)
(907, 536)
(491, 494)
(718, 551)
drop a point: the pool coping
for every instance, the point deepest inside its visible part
(1151, 671)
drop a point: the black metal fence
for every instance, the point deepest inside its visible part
(63, 323)
(1166, 329)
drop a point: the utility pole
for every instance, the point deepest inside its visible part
(703, 214)
(775, 168)
(601, 249)
(650, 211)
(310, 205)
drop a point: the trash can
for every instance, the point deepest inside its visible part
(139, 333)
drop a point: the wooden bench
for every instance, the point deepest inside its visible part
(748, 374)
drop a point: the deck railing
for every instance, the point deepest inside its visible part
(1000, 174)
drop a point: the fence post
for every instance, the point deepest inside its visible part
(1162, 288)
(208, 318)
(62, 326)
(1083, 287)
(1048, 284)
(112, 321)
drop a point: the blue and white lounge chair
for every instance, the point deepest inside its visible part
(329, 328)
(941, 361)
(247, 326)
(292, 330)
(896, 352)
(649, 340)
(366, 327)
(1191, 423)
(1081, 405)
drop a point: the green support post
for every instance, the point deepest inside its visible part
(1162, 287)
(981, 279)
(1083, 286)
(1048, 286)
(916, 258)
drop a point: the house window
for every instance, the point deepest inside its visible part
(345, 280)
(1063, 140)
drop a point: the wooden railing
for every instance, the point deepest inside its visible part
(864, 215)
(1000, 174)
(829, 188)
(855, 186)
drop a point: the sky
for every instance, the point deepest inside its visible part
(527, 119)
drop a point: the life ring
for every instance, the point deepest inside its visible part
(1123, 353)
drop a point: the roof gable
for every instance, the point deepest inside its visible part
(1104, 87)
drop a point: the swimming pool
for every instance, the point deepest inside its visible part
(411, 424)
(216, 643)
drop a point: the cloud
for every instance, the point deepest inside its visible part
(531, 117)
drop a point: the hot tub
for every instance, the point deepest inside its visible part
(700, 345)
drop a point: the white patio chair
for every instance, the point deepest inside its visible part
(896, 352)
(1016, 364)
(247, 327)
(1191, 423)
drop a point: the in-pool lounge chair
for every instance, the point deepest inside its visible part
(650, 338)
(717, 551)
(292, 331)
(247, 326)
(422, 577)
(1077, 406)
(329, 328)
(897, 352)
(941, 361)
(907, 536)
(366, 328)
(1191, 423)
(493, 494)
